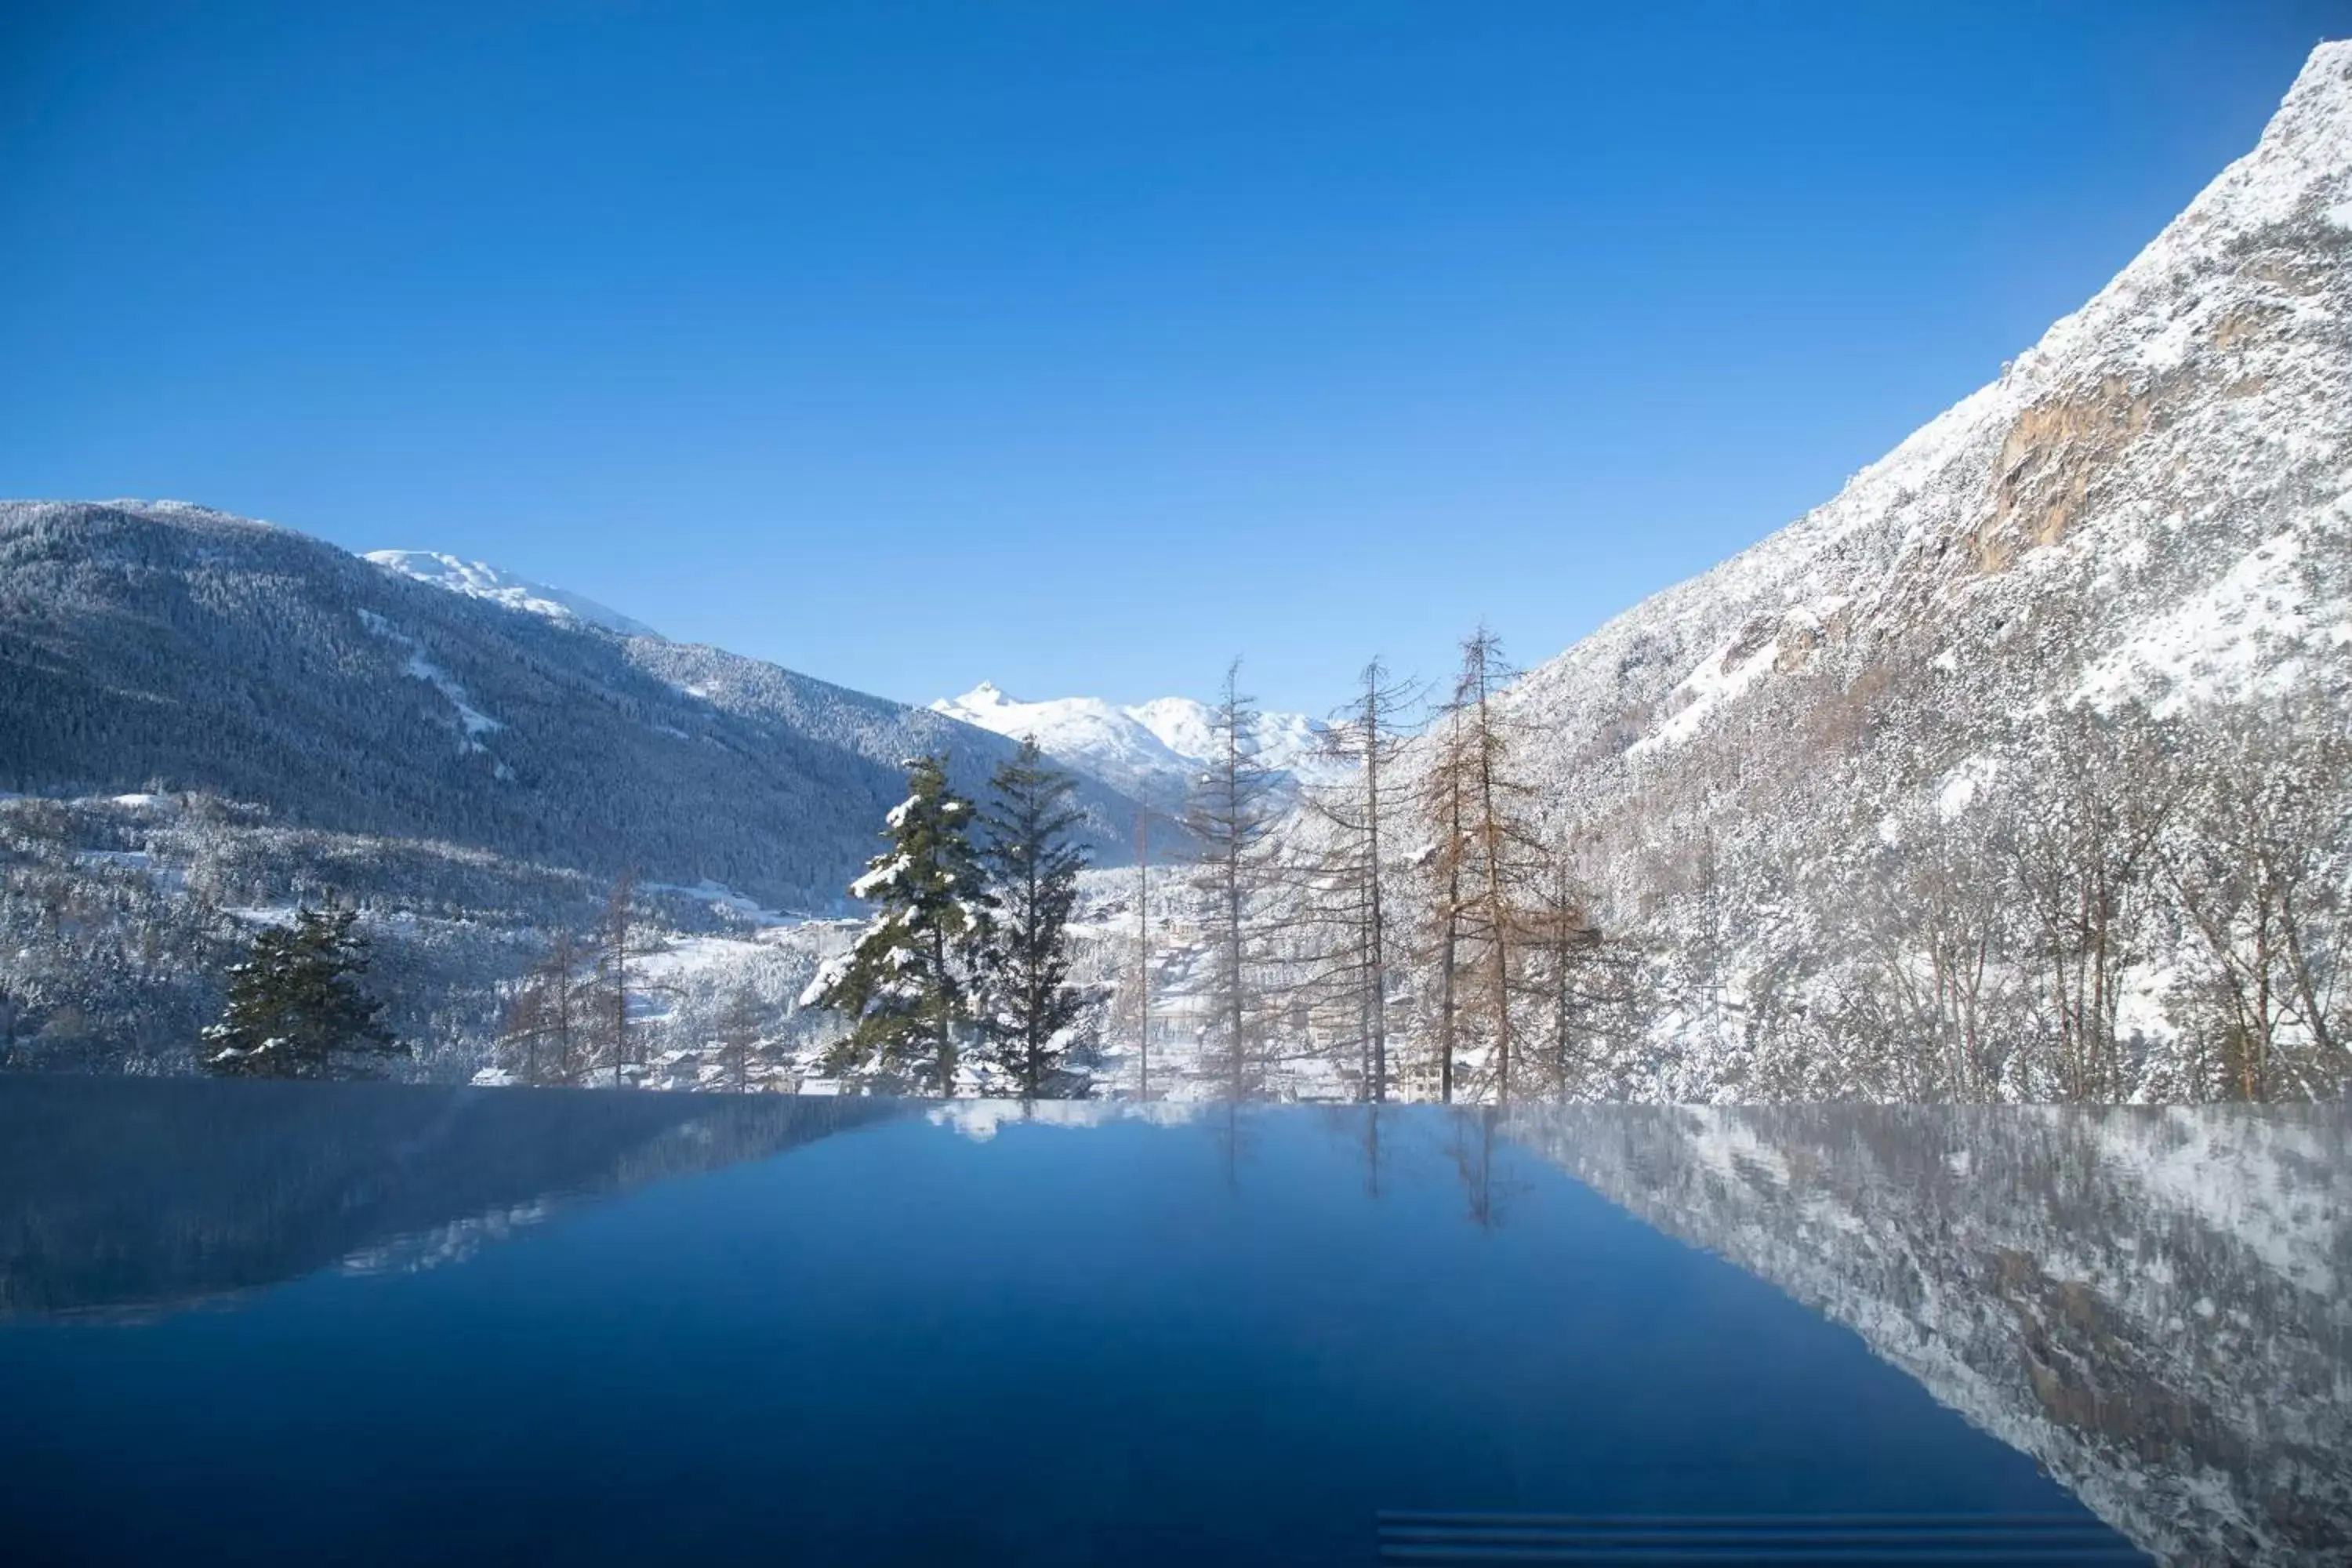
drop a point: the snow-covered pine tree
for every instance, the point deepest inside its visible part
(907, 986)
(295, 1006)
(1033, 1014)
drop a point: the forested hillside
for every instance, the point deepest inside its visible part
(208, 720)
(166, 649)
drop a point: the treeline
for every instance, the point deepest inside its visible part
(590, 1011)
(1850, 887)
(1419, 930)
(122, 921)
(132, 924)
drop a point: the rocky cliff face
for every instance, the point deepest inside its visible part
(2185, 437)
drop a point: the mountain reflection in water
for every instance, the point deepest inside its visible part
(2151, 1302)
(1402, 1307)
(128, 1197)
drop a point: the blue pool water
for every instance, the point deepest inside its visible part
(377, 1324)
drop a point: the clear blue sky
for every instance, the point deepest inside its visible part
(1078, 346)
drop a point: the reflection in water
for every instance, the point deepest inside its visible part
(132, 1196)
(2152, 1303)
(980, 1119)
(981, 1333)
(1486, 1196)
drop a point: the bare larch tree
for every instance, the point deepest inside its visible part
(542, 1032)
(1487, 855)
(1346, 912)
(739, 1028)
(1230, 820)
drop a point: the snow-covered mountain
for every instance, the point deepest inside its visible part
(206, 718)
(480, 580)
(1291, 742)
(1784, 774)
(2172, 463)
(172, 648)
(1152, 751)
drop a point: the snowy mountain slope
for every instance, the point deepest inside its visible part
(479, 580)
(2189, 423)
(1154, 750)
(192, 651)
(2154, 503)
(204, 720)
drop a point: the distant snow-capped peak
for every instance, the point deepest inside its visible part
(1152, 750)
(1290, 741)
(479, 580)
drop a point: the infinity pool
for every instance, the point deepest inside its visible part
(385, 1324)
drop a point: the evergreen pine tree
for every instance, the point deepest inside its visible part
(907, 986)
(295, 1006)
(1034, 1013)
